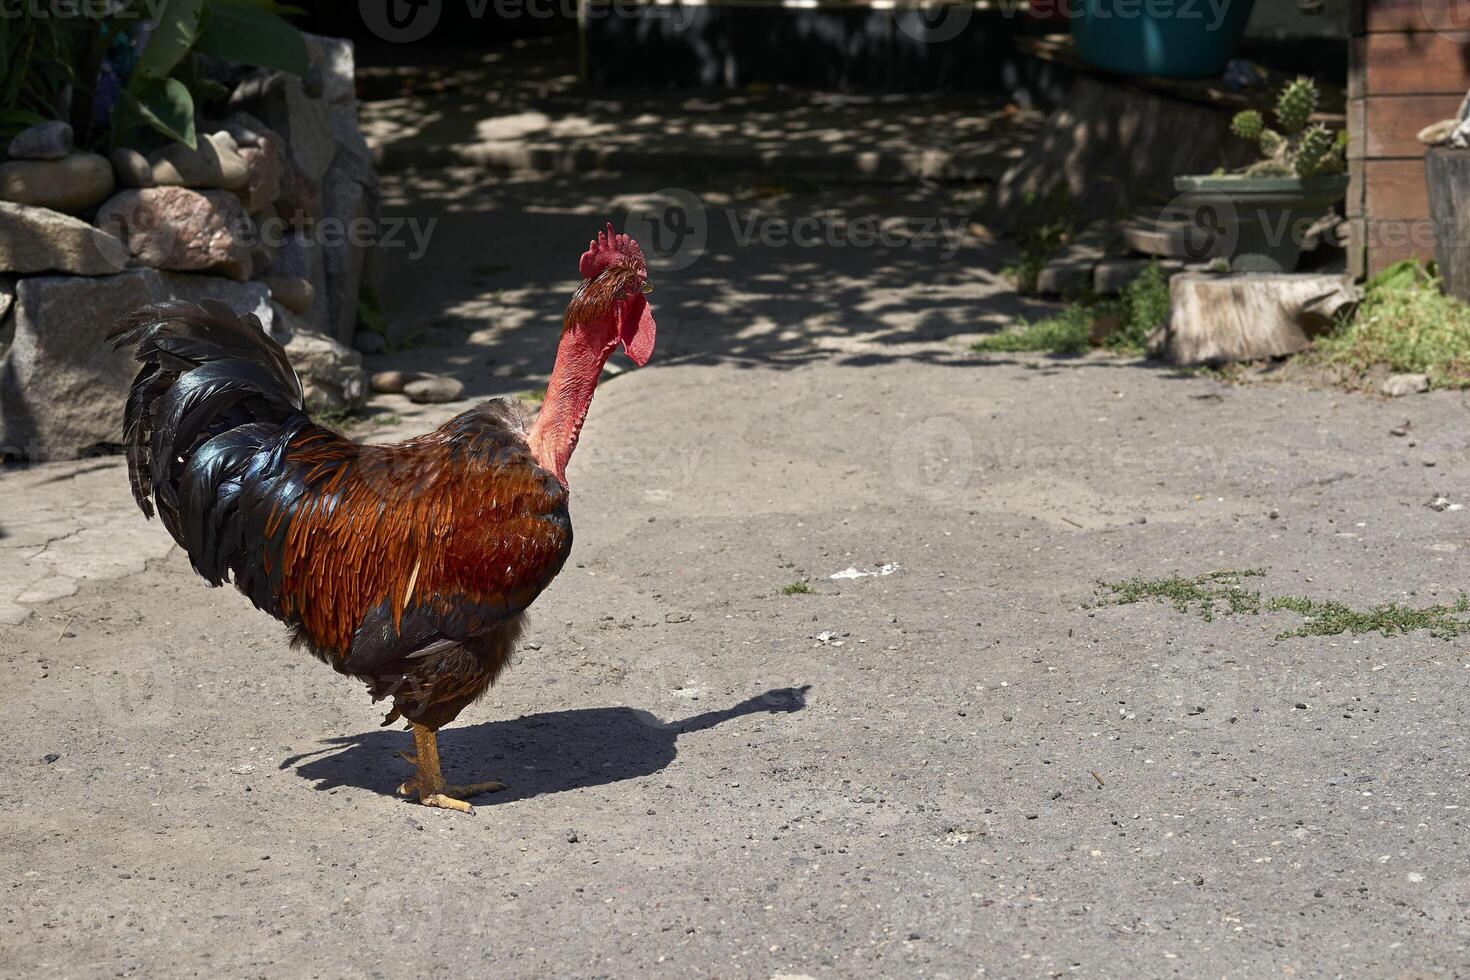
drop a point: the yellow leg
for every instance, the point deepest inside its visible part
(428, 782)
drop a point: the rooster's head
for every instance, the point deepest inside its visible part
(613, 296)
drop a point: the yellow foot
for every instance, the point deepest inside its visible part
(429, 784)
(471, 789)
(446, 802)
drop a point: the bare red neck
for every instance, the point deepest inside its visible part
(579, 360)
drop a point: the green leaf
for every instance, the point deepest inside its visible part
(175, 34)
(250, 34)
(166, 105)
(23, 117)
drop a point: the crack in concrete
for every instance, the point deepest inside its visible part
(53, 540)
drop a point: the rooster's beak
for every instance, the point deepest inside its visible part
(647, 287)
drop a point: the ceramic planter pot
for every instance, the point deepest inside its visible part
(1174, 38)
(1258, 223)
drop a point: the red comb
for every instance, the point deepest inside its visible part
(609, 247)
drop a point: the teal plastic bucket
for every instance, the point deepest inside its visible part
(1174, 38)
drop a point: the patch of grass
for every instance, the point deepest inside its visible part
(1143, 306)
(532, 396)
(339, 420)
(1333, 618)
(797, 588)
(1069, 332)
(1407, 324)
(1223, 593)
(1202, 595)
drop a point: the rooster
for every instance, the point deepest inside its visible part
(409, 566)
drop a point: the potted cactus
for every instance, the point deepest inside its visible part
(1259, 215)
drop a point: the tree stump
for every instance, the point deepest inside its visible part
(1448, 174)
(1252, 315)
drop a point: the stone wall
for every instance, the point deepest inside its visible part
(271, 214)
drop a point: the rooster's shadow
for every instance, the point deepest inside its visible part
(547, 752)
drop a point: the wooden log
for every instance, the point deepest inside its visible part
(1249, 316)
(1448, 172)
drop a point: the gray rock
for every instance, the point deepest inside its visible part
(295, 295)
(262, 254)
(354, 156)
(348, 208)
(1064, 276)
(279, 100)
(435, 389)
(42, 240)
(44, 141)
(299, 201)
(370, 342)
(243, 133)
(336, 59)
(331, 374)
(182, 230)
(242, 297)
(132, 168)
(215, 164)
(1112, 276)
(297, 277)
(75, 183)
(1399, 385)
(265, 161)
(62, 387)
(293, 257)
(393, 382)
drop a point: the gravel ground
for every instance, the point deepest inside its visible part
(962, 766)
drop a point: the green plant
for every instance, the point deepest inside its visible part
(339, 420)
(37, 58)
(1069, 332)
(797, 588)
(55, 66)
(1204, 595)
(1049, 231)
(1143, 306)
(1299, 148)
(1223, 592)
(1405, 323)
(160, 94)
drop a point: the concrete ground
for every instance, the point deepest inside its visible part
(523, 107)
(960, 767)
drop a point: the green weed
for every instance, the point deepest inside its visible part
(1142, 307)
(1407, 324)
(1223, 592)
(1333, 618)
(1202, 595)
